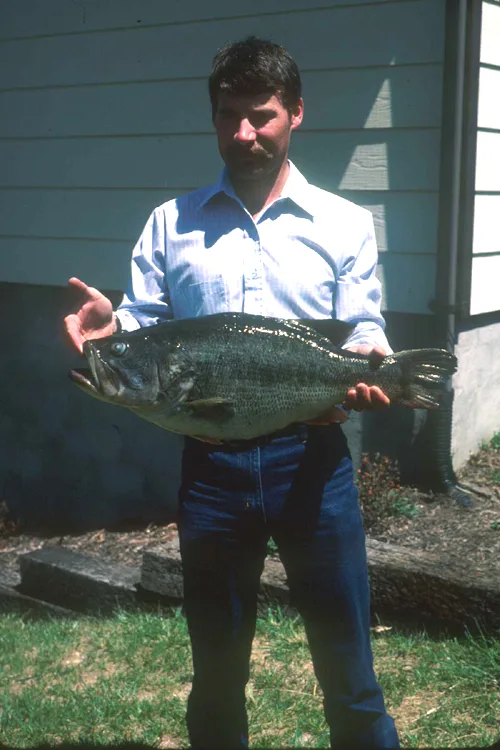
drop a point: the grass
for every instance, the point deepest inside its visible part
(495, 442)
(127, 678)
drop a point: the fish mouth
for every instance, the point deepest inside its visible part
(99, 380)
(84, 379)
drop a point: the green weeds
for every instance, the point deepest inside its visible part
(381, 495)
(127, 678)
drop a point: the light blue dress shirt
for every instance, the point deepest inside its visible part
(310, 254)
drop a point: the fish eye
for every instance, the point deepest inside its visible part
(119, 348)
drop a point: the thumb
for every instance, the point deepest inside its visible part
(89, 291)
(376, 357)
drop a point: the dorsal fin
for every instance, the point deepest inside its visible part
(336, 331)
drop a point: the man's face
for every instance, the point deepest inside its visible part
(253, 133)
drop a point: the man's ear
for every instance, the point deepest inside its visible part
(297, 114)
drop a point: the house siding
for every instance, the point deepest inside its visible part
(107, 115)
(477, 381)
(485, 276)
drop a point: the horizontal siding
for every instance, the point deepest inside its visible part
(407, 282)
(402, 97)
(106, 115)
(488, 111)
(490, 34)
(25, 18)
(365, 160)
(488, 162)
(485, 274)
(405, 278)
(485, 293)
(392, 160)
(486, 234)
(114, 215)
(53, 261)
(406, 32)
(404, 222)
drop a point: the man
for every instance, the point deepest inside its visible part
(263, 240)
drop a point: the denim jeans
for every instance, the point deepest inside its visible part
(298, 489)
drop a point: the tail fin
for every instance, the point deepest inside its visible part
(423, 376)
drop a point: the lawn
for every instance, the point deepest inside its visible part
(126, 678)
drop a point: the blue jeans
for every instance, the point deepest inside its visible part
(298, 489)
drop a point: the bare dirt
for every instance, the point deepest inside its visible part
(441, 525)
(393, 513)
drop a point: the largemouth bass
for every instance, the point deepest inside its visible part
(235, 376)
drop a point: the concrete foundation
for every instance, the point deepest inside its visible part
(476, 412)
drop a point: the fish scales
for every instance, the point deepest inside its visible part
(235, 376)
(264, 371)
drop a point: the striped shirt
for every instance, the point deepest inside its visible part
(310, 254)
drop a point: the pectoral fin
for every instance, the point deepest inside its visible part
(212, 409)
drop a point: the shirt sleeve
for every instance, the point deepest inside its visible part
(146, 300)
(358, 294)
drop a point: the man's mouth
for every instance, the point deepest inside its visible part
(251, 156)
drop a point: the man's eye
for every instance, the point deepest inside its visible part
(258, 120)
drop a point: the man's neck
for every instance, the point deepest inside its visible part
(256, 196)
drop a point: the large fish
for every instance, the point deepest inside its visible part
(235, 376)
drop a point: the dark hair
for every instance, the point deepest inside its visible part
(255, 66)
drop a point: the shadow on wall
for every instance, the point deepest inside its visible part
(401, 433)
(70, 461)
(373, 136)
(67, 459)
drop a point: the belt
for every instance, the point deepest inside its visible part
(302, 431)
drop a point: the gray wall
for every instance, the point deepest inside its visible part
(104, 116)
(477, 391)
(476, 414)
(486, 236)
(69, 460)
(65, 458)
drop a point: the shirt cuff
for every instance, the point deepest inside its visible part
(127, 321)
(373, 337)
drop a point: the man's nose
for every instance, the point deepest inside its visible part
(245, 132)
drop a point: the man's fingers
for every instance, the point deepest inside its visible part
(359, 398)
(366, 397)
(72, 325)
(378, 397)
(90, 291)
(376, 357)
(73, 281)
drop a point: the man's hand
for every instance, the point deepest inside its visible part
(94, 319)
(362, 397)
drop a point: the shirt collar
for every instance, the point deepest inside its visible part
(296, 189)
(223, 185)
